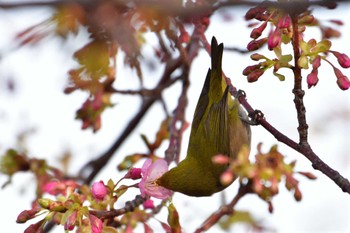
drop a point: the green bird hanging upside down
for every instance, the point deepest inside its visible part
(217, 128)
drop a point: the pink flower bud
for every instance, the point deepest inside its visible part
(343, 59)
(274, 39)
(312, 78)
(148, 204)
(134, 174)
(342, 81)
(96, 224)
(284, 22)
(316, 62)
(99, 190)
(256, 44)
(70, 223)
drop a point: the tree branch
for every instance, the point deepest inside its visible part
(297, 90)
(223, 210)
(302, 148)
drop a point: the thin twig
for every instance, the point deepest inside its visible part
(223, 210)
(129, 207)
(92, 168)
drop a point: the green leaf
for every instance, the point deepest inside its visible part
(173, 219)
(121, 190)
(286, 58)
(129, 161)
(321, 47)
(278, 51)
(279, 76)
(305, 47)
(94, 57)
(238, 217)
(303, 62)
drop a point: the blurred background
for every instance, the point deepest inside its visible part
(37, 116)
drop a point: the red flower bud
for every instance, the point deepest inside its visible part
(255, 75)
(250, 69)
(253, 13)
(343, 83)
(35, 228)
(256, 44)
(256, 33)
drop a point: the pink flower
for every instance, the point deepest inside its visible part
(150, 173)
(99, 190)
(96, 224)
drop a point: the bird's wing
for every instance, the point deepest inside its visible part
(216, 126)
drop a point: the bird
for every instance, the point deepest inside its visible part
(219, 126)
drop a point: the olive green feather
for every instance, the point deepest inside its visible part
(217, 128)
